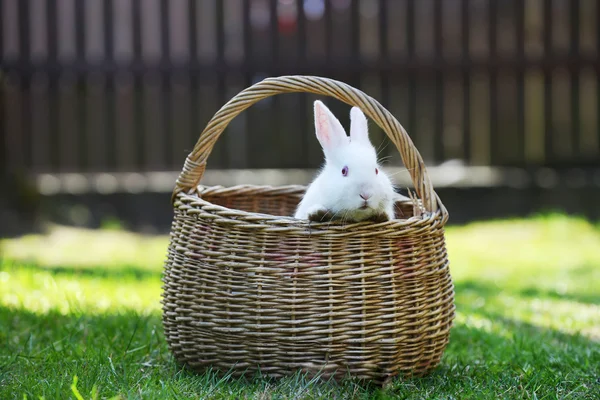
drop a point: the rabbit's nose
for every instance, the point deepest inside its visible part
(365, 196)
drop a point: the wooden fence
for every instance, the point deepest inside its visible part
(128, 85)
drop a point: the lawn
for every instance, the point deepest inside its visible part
(80, 318)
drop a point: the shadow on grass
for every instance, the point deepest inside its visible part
(41, 353)
(512, 360)
(125, 353)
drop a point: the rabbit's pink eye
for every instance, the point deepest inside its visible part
(345, 171)
(376, 171)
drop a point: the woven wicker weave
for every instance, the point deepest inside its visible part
(249, 288)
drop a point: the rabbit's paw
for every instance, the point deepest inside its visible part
(380, 217)
(318, 213)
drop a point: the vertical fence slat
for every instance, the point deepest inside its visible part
(574, 79)
(355, 50)
(466, 80)
(248, 53)
(180, 113)
(23, 29)
(275, 125)
(21, 140)
(384, 53)
(548, 124)
(81, 89)
(108, 30)
(95, 101)
(10, 33)
(383, 36)
(357, 78)
(3, 128)
(328, 31)
(288, 147)
(192, 32)
(316, 49)
(165, 87)
(219, 153)
(68, 122)
(136, 24)
(384, 77)
(124, 147)
(438, 145)
(67, 88)
(38, 29)
(303, 98)
(356, 53)
(80, 36)
(301, 42)
(25, 149)
(138, 108)
(492, 55)
(412, 84)
(194, 126)
(13, 123)
(110, 88)
(274, 32)
(124, 144)
(96, 95)
(180, 117)
(598, 73)
(365, 45)
(520, 45)
(153, 122)
(152, 100)
(2, 30)
(96, 106)
(53, 136)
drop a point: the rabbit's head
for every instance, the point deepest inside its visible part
(356, 186)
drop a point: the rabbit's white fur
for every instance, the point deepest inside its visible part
(339, 196)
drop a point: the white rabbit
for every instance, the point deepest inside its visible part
(351, 185)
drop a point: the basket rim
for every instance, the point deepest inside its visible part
(257, 220)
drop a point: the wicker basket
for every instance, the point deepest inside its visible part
(248, 288)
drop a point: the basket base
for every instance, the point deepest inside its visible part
(321, 373)
(280, 360)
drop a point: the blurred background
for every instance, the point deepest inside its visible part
(101, 100)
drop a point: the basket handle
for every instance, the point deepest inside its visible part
(195, 163)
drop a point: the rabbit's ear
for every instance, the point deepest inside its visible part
(329, 130)
(359, 129)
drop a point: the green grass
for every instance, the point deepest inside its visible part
(80, 318)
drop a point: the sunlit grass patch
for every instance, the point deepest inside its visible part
(66, 247)
(557, 254)
(41, 291)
